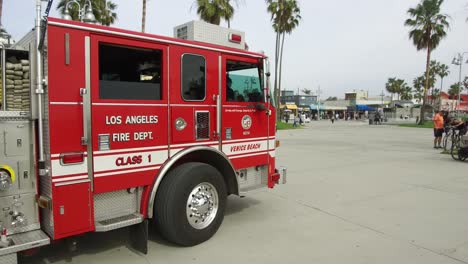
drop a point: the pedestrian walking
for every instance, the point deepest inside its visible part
(296, 120)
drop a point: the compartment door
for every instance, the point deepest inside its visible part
(195, 76)
(72, 212)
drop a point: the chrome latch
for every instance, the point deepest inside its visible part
(83, 91)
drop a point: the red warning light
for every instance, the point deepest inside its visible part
(235, 38)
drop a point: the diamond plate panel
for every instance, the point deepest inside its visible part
(28, 228)
(45, 182)
(9, 259)
(202, 125)
(119, 222)
(47, 222)
(25, 241)
(14, 115)
(115, 204)
(45, 186)
(252, 178)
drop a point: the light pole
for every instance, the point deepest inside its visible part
(318, 102)
(143, 17)
(382, 95)
(458, 60)
(85, 14)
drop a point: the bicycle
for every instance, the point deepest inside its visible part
(449, 134)
(458, 149)
(459, 142)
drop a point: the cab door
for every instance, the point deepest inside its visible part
(193, 99)
(245, 114)
(129, 109)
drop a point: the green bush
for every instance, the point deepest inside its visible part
(282, 125)
(427, 124)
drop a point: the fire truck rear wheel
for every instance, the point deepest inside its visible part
(190, 204)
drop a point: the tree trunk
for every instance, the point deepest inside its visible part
(440, 92)
(277, 93)
(1, 9)
(143, 17)
(426, 87)
(280, 62)
(432, 96)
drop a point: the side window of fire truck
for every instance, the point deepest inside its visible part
(243, 82)
(129, 73)
(193, 77)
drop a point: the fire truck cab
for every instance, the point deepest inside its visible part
(106, 128)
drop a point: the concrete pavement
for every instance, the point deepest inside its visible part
(355, 194)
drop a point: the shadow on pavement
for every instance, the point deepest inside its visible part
(94, 243)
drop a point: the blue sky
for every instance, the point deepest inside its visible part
(339, 45)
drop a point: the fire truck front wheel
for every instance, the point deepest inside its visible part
(190, 204)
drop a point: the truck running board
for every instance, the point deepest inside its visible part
(20, 242)
(119, 222)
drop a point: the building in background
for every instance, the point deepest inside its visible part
(295, 103)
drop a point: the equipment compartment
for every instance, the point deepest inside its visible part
(15, 79)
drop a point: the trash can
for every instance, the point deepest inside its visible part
(371, 121)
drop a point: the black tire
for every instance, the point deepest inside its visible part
(455, 149)
(172, 200)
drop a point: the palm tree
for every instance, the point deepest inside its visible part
(406, 92)
(396, 86)
(443, 71)
(465, 83)
(103, 10)
(436, 97)
(418, 85)
(390, 86)
(212, 11)
(229, 12)
(433, 71)
(285, 17)
(400, 86)
(428, 28)
(306, 91)
(105, 16)
(454, 90)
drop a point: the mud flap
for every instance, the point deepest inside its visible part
(139, 237)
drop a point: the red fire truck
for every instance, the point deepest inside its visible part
(103, 128)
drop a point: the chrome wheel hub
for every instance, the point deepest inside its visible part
(202, 205)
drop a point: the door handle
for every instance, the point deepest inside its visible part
(85, 96)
